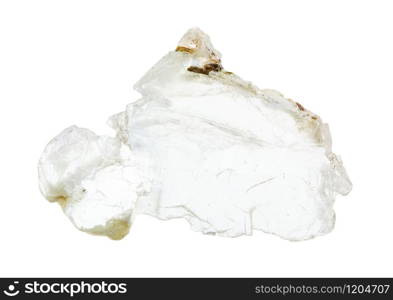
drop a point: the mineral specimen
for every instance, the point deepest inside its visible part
(204, 145)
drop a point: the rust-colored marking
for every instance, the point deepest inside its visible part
(213, 67)
(299, 106)
(198, 70)
(184, 49)
(206, 68)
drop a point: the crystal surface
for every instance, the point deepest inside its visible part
(204, 145)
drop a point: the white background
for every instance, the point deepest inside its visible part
(74, 62)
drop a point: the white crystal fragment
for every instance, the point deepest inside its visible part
(203, 145)
(86, 174)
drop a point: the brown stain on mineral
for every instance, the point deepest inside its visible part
(206, 68)
(197, 70)
(213, 67)
(62, 200)
(115, 229)
(300, 106)
(184, 49)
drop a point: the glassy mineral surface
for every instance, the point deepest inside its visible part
(204, 145)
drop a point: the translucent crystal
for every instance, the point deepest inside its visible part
(203, 145)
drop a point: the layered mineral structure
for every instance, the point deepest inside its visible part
(204, 145)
